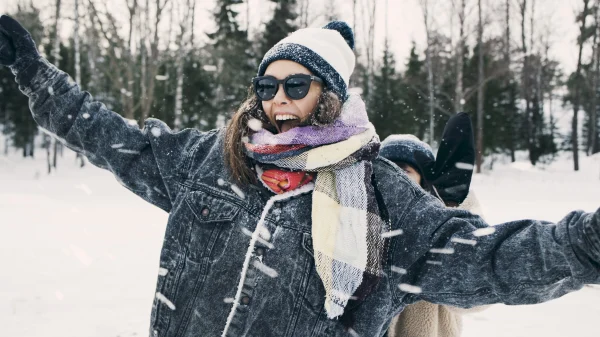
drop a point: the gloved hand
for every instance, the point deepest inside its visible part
(452, 169)
(17, 48)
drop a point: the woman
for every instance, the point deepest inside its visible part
(422, 318)
(329, 232)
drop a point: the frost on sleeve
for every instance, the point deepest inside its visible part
(147, 161)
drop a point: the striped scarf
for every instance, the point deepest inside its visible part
(346, 224)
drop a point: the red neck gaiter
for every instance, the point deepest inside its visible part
(280, 181)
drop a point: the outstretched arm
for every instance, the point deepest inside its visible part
(459, 260)
(146, 161)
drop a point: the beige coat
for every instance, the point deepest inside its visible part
(424, 319)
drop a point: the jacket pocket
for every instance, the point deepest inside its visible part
(210, 231)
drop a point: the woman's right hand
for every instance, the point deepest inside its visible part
(17, 48)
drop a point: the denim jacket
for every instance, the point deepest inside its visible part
(206, 238)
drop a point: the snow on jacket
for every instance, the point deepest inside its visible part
(206, 238)
(424, 319)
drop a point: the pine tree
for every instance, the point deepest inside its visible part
(280, 25)
(14, 107)
(413, 86)
(385, 108)
(232, 55)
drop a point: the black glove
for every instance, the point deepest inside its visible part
(17, 48)
(452, 169)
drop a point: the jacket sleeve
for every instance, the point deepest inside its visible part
(147, 161)
(457, 259)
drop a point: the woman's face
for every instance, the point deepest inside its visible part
(285, 113)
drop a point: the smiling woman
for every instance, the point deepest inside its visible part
(333, 240)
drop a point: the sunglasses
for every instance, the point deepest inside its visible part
(295, 86)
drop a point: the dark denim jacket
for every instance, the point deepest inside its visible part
(206, 238)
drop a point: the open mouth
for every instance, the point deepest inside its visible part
(285, 122)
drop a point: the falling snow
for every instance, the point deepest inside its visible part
(442, 250)
(81, 255)
(163, 299)
(128, 151)
(155, 132)
(398, 270)
(484, 231)
(265, 269)
(269, 245)
(392, 233)
(464, 166)
(117, 146)
(50, 90)
(84, 188)
(59, 295)
(238, 191)
(163, 271)
(221, 182)
(410, 288)
(464, 241)
(228, 300)
(86, 115)
(435, 263)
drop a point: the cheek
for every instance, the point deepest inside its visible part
(308, 104)
(266, 106)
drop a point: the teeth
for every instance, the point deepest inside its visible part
(285, 117)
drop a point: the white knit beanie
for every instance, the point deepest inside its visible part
(327, 52)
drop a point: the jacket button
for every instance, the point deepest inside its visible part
(245, 300)
(260, 251)
(205, 212)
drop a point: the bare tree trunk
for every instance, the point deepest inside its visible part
(577, 98)
(460, 45)
(77, 62)
(426, 19)
(594, 79)
(177, 124)
(369, 33)
(53, 144)
(594, 109)
(56, 42)
(525, 75)
(480, 91)
(507, 60)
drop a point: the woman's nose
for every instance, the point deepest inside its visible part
(280, 96)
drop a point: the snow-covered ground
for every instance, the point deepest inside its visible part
(79, 253)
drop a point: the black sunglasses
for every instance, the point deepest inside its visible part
(295, 86)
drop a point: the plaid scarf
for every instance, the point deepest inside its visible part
(346, 224)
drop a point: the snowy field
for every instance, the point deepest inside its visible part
(79, 253)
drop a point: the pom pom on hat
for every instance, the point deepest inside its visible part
(344, 30)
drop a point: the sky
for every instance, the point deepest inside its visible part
(404, 20)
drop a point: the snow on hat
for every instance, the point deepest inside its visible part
(327, 52)
(402, 148)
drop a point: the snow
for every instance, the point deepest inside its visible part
(442, 250)
(409, 288)
(464, 241)
(390, 234)
(484, 231)
(89, 262)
